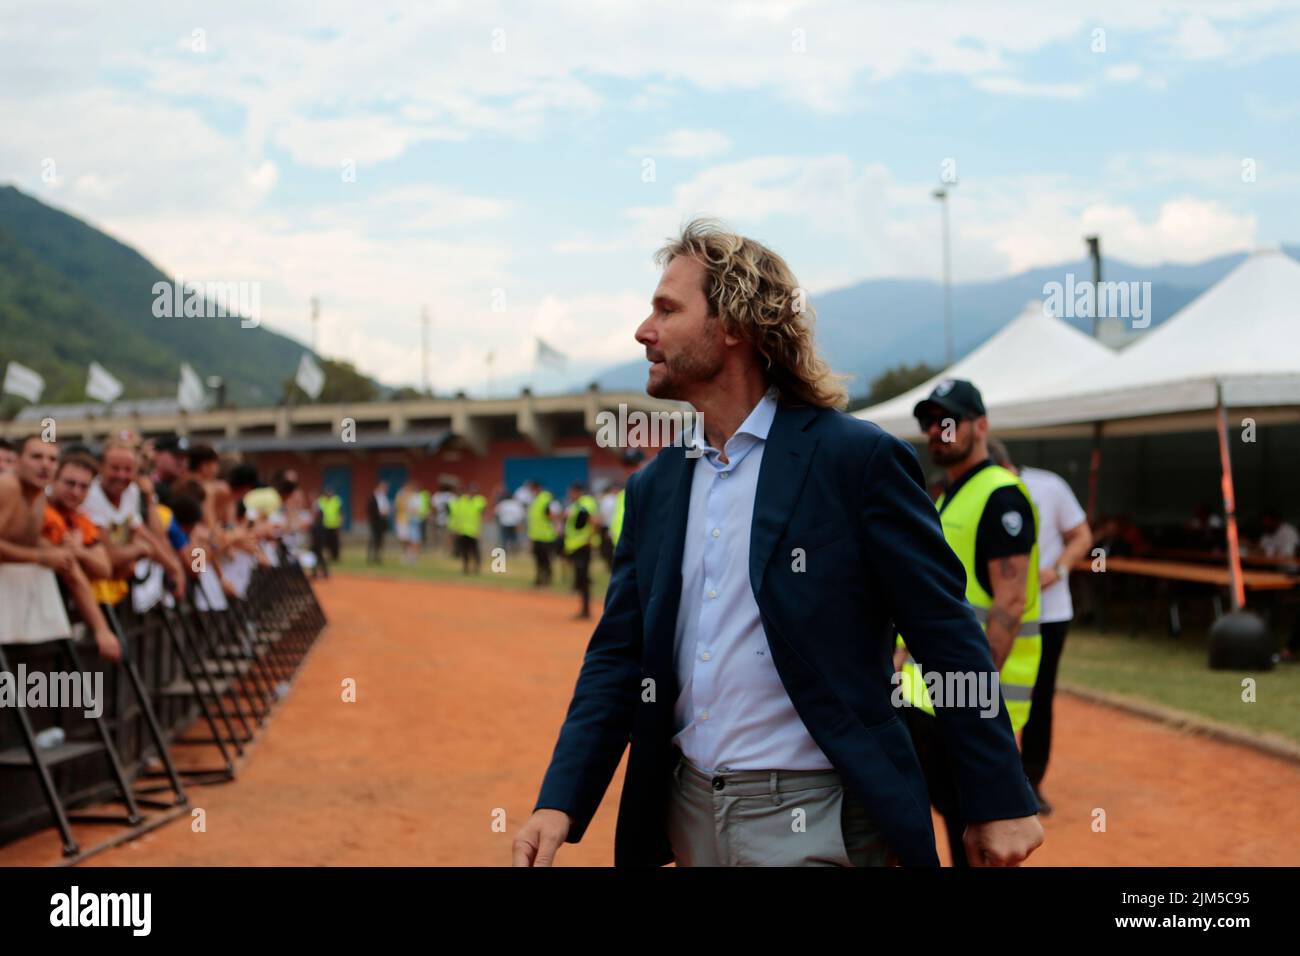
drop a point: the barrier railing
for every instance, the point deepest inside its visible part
(199, 678)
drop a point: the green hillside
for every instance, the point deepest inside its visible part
(70, 294)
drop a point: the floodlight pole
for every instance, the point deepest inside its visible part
(941, 194)
(1094, 250)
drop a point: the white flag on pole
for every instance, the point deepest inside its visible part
(310, 378)
(23, 382)
(549, 356)
(190, 394)
(100, 385)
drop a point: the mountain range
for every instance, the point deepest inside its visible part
(70, 294)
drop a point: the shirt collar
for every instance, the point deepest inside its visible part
(757, 423)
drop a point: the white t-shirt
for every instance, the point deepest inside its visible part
(440, 501)
(117, 521)
(1058, 512)
(1281, 543)
(510, 512)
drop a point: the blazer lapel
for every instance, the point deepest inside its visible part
(786, 456)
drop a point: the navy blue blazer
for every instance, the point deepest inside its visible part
(875, 562)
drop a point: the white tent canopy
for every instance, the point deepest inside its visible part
(1242, 334)
(1026, 357)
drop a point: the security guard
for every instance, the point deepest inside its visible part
(330, 506)
(579, 536)
(468, 512)
(541, 531)
(990, 522)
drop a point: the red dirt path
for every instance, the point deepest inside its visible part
(460, 692)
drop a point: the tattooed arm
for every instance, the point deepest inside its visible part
(1008, 576)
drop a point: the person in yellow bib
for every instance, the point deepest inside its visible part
(990, 522)
(541, 530)
(330, 506)
(467, 513)
(579, 536)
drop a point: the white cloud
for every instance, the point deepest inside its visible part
(1017, 87)
(1124, 72)
(1185, 230)
(426, 207)
(686, 144)
(361, 139)
(1198, 39)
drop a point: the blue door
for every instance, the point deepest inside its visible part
(338, 479)
(554, 472)
(395, 475)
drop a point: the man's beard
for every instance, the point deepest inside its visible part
(952, 452)
(682, 371)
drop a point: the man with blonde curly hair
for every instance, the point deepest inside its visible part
(746, 645)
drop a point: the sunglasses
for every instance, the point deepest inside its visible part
(928, 421)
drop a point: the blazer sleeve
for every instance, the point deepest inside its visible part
(599, 722)
(925, 583)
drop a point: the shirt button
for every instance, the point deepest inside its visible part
(723, 474)
(717, 532)
(704, 715)
(705, 656)
(713, 594)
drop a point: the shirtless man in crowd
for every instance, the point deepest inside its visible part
(22, 516)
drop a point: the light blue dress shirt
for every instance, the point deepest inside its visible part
(733, 712)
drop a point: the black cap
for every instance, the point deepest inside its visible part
(956, 396)
(173, 443)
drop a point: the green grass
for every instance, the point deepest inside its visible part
(516, 571)
(1152, 667)
(1174, 673)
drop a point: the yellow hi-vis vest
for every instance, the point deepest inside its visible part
(540, 527)
(575, 537)
(331, 511)
(960, 520)
(616, 521)
(468, 515)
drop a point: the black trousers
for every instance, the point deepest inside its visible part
(582, 576)
(932, 750)
(332, 543)
(542, 557)
(375, 552)
(1036, 738)
(469, 552)
(318, 548)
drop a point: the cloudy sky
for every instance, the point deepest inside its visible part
(513, 166)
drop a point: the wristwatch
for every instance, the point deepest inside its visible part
(1062, 572)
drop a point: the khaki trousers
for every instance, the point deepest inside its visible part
(769, 818)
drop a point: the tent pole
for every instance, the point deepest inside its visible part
(1094, 474)
(1229, 502)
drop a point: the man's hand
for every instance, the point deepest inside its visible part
(541, 836)
(58, 560)
(109, 647)
(1002, 842)
(1047, 577)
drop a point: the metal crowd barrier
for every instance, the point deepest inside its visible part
(198, 680)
